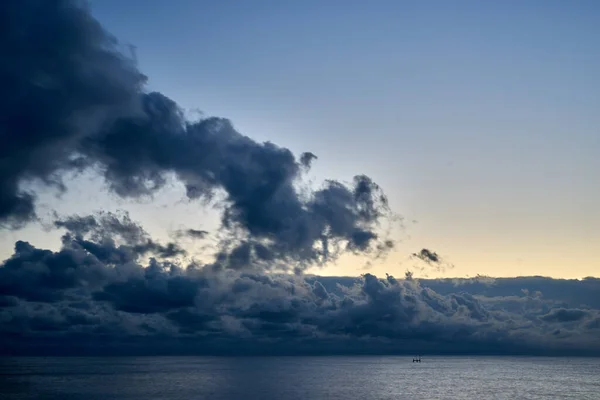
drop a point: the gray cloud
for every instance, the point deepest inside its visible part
(69, 299)
(99, 117)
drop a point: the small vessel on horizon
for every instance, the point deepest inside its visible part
(418, 359)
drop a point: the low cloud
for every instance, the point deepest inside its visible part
(99, 291)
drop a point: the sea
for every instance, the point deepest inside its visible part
(298, 378)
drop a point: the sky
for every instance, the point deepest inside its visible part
(477, 118)
(189, 187)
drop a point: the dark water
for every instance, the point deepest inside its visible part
(365, 378)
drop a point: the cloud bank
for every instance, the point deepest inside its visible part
(74, 101)
(98, 295)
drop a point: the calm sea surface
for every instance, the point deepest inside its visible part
(364, 378)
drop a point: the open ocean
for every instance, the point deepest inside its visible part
(365, 378)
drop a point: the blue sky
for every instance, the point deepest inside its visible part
(479, 119)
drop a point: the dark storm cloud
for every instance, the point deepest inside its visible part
(76, 102)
